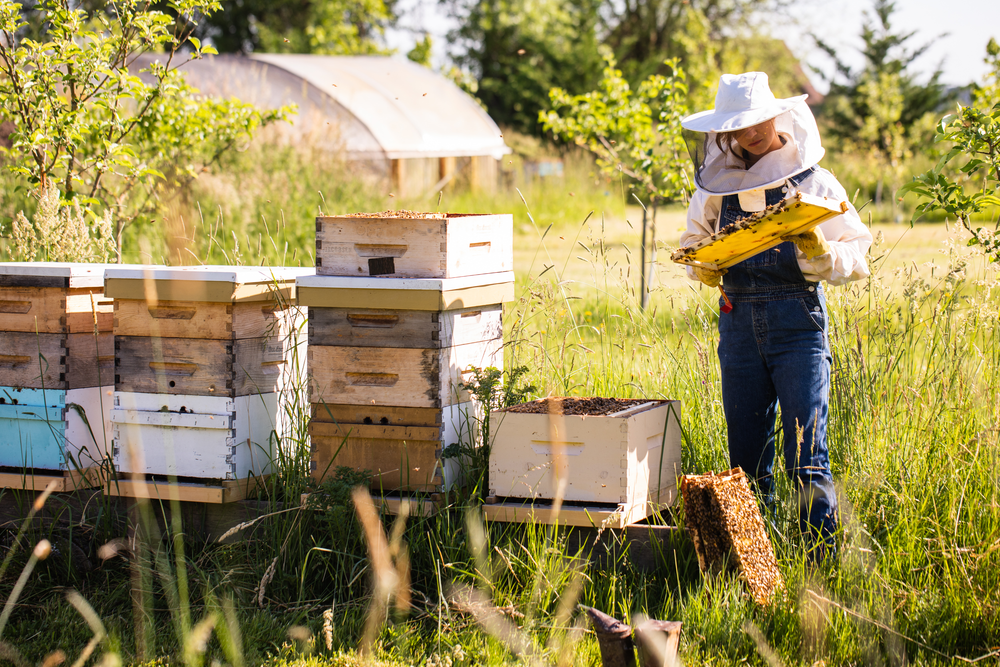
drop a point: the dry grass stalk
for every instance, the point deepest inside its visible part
(723, 519)
(390, 564)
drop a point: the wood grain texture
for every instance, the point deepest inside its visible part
(68, 481)
(31, 309)
(262, 365)
(200, 319)
(34, 361)
(418, 247)
(398, 457)
(375, 375)
(82, 305)
(404, 377)
(54, 310)
(229, 491)
(360, 327)
(376, 414)
(174, 319)
(174, 366)
(90, 360)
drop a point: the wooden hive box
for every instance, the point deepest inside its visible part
(387, 358)
(203, 357)
(402, 342)
(403, 448)
(56, 373)
(617, 467)
(401, 244)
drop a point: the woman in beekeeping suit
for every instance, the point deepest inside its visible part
(751, 151)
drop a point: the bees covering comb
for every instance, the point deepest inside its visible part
(759, 231)
(722, 517)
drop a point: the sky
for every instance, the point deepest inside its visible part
(969, 24)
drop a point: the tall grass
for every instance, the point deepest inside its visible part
(914, 441)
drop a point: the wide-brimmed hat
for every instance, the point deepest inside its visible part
(743, 100)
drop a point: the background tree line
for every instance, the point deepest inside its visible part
(75, 118)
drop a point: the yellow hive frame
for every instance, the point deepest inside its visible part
(759, 232)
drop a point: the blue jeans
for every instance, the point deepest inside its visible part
(774, 350)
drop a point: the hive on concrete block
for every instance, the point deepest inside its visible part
(404, 307)
(56, 374)
(204, 360)
(723, 518)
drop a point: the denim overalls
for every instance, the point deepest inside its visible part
(773, 349)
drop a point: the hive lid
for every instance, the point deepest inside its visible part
(218, 284)
(52, 274)
(429, 294)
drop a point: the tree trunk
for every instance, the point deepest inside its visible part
(652, 257)
(642, 264)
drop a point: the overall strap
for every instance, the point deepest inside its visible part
(802, 175)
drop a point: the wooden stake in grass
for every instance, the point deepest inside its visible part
(723, 519)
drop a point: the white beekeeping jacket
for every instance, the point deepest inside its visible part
(719, 173)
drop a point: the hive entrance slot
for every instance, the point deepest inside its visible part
(372, 379)
(381, 266)
(372, 320)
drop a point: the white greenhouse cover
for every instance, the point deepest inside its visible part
(410, 110)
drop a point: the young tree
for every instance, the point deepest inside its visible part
(965, 183)
(876, 110)
(86, 125)
(633, 132)
(517, 50)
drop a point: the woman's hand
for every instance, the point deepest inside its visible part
(711, 277)
(811, 243)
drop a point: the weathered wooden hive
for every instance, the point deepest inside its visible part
(608, 461)
(410, 303)
(56, 374)
(203, 357)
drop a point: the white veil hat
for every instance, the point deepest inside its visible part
(744, 100)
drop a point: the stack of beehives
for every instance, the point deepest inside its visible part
(56, 368)
(403, 306)
(202, 357)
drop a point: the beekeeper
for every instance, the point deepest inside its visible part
(751, 151)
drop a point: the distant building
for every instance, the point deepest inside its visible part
(392, 117)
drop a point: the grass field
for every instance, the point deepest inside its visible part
(914, 439)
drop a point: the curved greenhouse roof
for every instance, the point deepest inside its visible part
(368, 106)
(410, 110)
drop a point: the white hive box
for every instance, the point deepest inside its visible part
(203, 357)
(387, 358)
(618, 467)
(400, 244)
(56, 373)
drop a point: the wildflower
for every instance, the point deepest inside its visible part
(328, 629)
